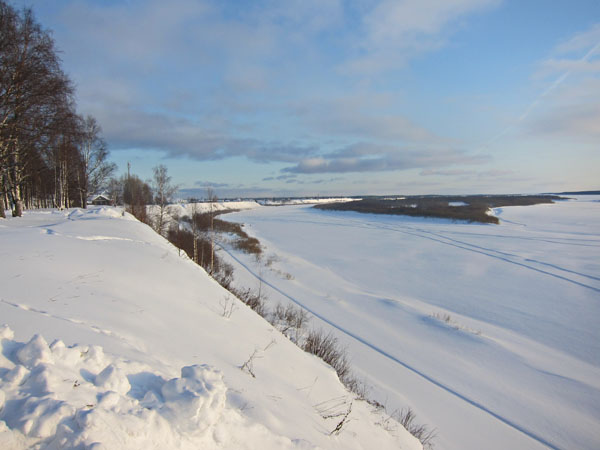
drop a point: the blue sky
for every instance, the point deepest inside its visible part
(333, 97)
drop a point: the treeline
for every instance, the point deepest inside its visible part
(49, 155)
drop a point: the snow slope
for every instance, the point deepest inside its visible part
(142, 356)
(490, 332)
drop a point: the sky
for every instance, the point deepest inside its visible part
(332, 97)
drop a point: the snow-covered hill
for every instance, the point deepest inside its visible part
(141, 354)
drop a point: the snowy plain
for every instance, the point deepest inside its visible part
(109, 338)
(489, 332)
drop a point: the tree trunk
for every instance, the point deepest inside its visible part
(212, 240)
(82, 193)
(18, 211)
(195, 247)
(15, 186)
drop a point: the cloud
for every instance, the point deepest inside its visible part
(552, 66)
(361, 123)
(446, 173)
(578, 55)
(394, 31)
(260, 79)
(581, 41)
(125, 127)
(207, 184)
(327, 180)
(242, 191)
(571, 103)
(468, 174)
(377, 158)
(578, 121)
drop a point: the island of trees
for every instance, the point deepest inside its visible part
(470, 208)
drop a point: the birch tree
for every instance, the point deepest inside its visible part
(33, 91)
(163, 196)
(212, 200)
(96, 170)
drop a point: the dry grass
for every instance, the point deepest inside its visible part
(406, 417)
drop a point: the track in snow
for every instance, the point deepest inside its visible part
(501, 256)
(414, 370)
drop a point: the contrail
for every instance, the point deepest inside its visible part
(556, 83)
(548, 90)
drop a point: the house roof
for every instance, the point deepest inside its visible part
(100, 196)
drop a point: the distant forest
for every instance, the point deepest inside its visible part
(471, 208)
(579, 193)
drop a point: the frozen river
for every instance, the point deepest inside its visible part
(489, 332)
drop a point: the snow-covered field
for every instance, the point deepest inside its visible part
(490, 332)
(114, 340)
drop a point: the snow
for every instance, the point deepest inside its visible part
(307, 201)
(115, 340)
(516, 365)
(457, 204)
(186, 209)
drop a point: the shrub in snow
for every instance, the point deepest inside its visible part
(290, 320)
(255, 300)
(325, 346)
(406, 418)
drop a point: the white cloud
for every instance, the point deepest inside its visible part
(378, 158)
(246, 67)
(394, 31)
(570, 106)
(574, 66)
(582, 41)
(577, 121)
(578, 55)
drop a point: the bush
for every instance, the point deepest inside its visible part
(223, 273)
(248, 245)
(406, 417)
(255, 300)
(206, 222)
(325, 346)
(290, 320)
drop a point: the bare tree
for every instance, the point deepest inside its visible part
(95, 168)
(195, 234)
(163, 196)
(212, 200)
(3, 194)
(33, 92)
(114, 190)
(136, 195)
